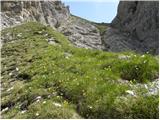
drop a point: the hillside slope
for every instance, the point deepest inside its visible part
(55, 14)
(135, 28)
(44, 76)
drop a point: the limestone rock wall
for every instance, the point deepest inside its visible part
(140, 20)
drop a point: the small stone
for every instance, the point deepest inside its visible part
(145, 61)
(130, 92)
(5, 109)
(37, 100)
(67, 55)
(17, 22)
(49, 96)
(39, 97)
(124, 57)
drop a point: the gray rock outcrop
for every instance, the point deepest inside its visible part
(82, 33)
(57, 15)
(46, 12)
(140, 20)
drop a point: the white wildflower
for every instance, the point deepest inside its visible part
(19, 35)
(67, 57)
(145, 61)
(54, 93)
(44, 102)
(136, 68)
(147, 52)
(124, 57)
(10, 89)
(17, 69)
(143, 56)
(10, 74)
(90, 107)
(57, 104)
(37, 114)
(23, 111)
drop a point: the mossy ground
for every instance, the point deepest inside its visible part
(42, 80)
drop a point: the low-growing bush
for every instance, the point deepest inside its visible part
(139, 69)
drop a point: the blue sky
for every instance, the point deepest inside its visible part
(94, 10)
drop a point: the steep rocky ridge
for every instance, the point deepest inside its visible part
(82, 33)
(139, 20)
(57, 15)
(46, 12)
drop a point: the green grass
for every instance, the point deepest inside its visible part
(84, 82)
(102, 27)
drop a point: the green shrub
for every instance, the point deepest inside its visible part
(136, 108)
(139, 69)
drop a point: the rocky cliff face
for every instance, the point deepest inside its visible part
(57, 15)
(82, 33)
(136, 26)
(46, 12)
(139, 20)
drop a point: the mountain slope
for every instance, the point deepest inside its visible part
(55, 14)
(135, 28)
(44, 76)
